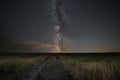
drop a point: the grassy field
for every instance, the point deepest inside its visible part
(17, 67)
(81, 67)
(92, 67)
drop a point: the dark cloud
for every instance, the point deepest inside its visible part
(7, 44)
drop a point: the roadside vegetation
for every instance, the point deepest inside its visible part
(17, 67)
(93, 67)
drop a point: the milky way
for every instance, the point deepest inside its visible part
(59, 26)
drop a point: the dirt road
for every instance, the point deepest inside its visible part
(51, 69)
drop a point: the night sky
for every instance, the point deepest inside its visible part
(92, 25)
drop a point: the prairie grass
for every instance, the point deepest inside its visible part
(16, 67)
(93, 67)
(85, 67)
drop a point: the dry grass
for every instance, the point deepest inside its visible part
(104, 68)
(15, 68)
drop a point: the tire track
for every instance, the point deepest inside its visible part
(36, 70)
(56, 71)
(51, 69)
